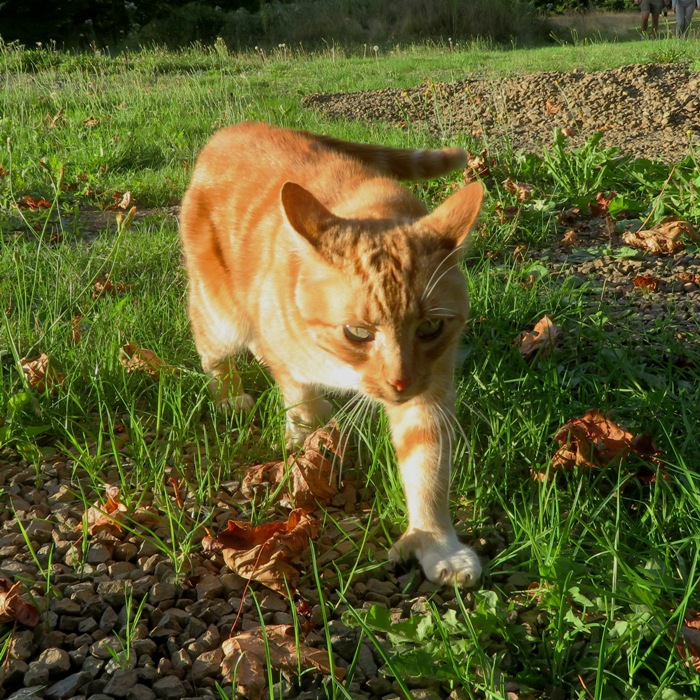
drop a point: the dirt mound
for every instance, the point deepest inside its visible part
(646, 110)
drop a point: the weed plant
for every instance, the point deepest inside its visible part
(587, 592)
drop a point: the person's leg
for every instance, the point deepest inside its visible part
(655, 14)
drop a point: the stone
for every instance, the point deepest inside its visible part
(121, 683)
(162, 592)
(114, 592)
(169, 688)
(65, 606)
(209, 587)
(66, 687)
(51, 662)
(141, 692)
(98, 554)
(207, 665)
(34, 692)
(108, 621)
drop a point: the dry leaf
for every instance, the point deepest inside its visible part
(552, 107)
(103, 285)
(33, 203)
(267, 553)
(40, 375)
(570, 238)
(13, 608)
(541, 340)
(602, 203)
(139, 359)
(91, 122)
(478, 165)
(665, 238)
(53, 121)
(309, 473)
(522, 190)
(107, 515)
(122, 200)
(247, 655)
(593, 441)
(689, 277)
(646, 282)
(689, 642)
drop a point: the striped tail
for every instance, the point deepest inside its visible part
(400, 163)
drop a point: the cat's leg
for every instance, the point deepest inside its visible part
(226, 386)
(305, 406)
(422, 434)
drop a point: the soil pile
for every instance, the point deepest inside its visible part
(648, 111)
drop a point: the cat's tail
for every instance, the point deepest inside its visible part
(400, 163)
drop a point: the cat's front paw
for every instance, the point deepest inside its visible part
(237, 404)
(443, 558)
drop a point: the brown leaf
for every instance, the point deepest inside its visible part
(267, 553)
(665, 238)
(247, 654)
(689, 639)
(13, 608)
(646, 282)
(602, 203)
(552, 107)
(76, 325)
(122, 200)
(33, 203)
(103, 285)
(40, 375)
(689, 277)
(91, 122)
(570, 238)
(541, 340)
(139, 359)
(103, 516)
(309, 473)
(478, 165)
(521, 189)
(593, 441)
(52, 122)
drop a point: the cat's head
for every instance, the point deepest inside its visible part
(384, 298)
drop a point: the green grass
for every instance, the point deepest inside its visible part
(615, 559)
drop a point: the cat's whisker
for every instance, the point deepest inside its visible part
(431, 285)
(430, 289)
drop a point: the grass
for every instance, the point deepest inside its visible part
(591, 573)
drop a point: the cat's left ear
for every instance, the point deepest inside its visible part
(306, 215)
(454, 218)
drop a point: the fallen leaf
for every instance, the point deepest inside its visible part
(522, 190)
(478, 165)
(91, 122)
(76, 326)
(40, 375)
(33, 203)
(570, 238)
(540, 340)
(139, 359)
(602, 203)
(505, 214)
(646, 282)
(569, 131)
(13, 608)
(52, 122)
(593, 441)
(552, 107)
(665, 238)
(266, 553)
(248, 655)
(103, 285)
(688, 644)
(101, 516)
(309, 473)
(122, 200)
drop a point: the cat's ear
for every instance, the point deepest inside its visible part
(454, 218)
(305, 214)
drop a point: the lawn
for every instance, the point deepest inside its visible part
(591, 571)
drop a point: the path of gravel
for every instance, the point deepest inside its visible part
(646, 110)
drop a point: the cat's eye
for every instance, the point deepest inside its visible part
(358, 334)
(430, 328)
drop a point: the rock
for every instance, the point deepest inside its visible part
(169, 688)
(121, 683)
(141, 692)
(162, 592)
(67, 687)
(51, 662)
(29, 693)
(98, 554)
(207, 665)
(209, 587)
(114, 592)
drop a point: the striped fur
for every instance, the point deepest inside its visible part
(301, 249)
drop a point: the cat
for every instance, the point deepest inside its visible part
(306, 250)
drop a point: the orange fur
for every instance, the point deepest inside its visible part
(305, 250)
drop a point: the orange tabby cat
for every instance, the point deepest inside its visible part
(305, 250)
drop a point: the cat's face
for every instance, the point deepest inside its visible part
(385, 298)
(389, 305)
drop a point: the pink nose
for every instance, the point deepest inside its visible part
(399, 384)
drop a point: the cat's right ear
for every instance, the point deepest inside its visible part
(305, 214)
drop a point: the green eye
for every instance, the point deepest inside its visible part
(358, 334)
(430, 329)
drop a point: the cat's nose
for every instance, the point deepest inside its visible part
(400, 385)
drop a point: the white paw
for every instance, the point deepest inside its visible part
(237, 404)
(444, 559)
